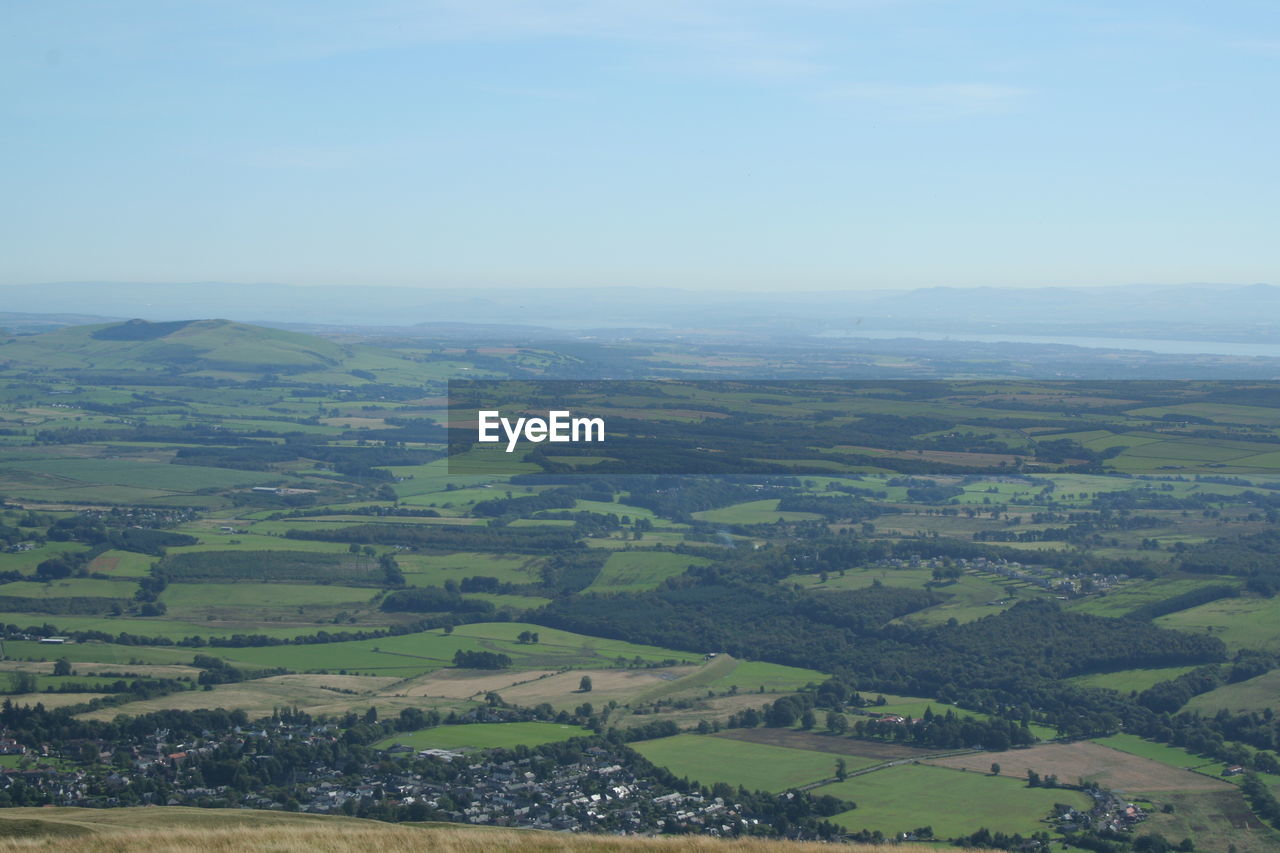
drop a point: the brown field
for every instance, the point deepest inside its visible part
(144, 670)
(621, 685)
(463, 684)
(1217, 820)
(53, 700)
(1072, 761)
(829, 743)
(179, 830)
(710, 710)
(317, 694)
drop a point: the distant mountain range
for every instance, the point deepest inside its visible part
(1190, 311)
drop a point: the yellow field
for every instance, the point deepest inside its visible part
(178, 829)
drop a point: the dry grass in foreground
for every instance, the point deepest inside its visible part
(180, 830)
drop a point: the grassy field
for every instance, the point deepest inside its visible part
(30, 650)
(1165, 754)
(1214, 820)
(71, 588)
(1132, 596)
(122, 564)
(1238, 622)
(752, 512)
(1130, 679)
(266, 596)
(158, 626)
(968, 598)
(629, 571)
(485, 736)
(958, 803)
(1256, 694)
(435, 569)
(709, 759)
(124, 472)
(750, 676)
(414, 654)
(860, 578)
(26, 561)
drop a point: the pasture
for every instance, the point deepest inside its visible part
(953, 802)
(1126, 680)
(752, 512)
(202, 597)
(26, 561)
(144, 475)
(435, 569)
(1238, 622)
(560, 690)
(709, 759)
(1257, 694)
(410, 655)
(1118, 602)
(484, 736)
(630, 571)
(1173, 756)
(1214, 820)
(71, 588)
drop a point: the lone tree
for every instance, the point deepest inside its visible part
(842, 769)
(995, 769)
(584, 686)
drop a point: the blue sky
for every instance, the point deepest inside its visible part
(806, 144)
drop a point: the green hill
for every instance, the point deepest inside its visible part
(188, 346)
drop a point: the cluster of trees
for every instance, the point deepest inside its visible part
(948, 731)
(1005, 657)
(85, 528)
(214, 670)
(831, 508)
(464, 659)
(433, 599)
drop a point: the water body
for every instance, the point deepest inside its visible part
(1166, 347)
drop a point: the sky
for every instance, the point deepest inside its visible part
(702, 144)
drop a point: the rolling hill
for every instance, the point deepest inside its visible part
(187, 345)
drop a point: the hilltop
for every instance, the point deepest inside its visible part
(185, 345)
(179, 828)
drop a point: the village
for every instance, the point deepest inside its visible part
(589, 789)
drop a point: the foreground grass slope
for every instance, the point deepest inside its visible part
(174, 829)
